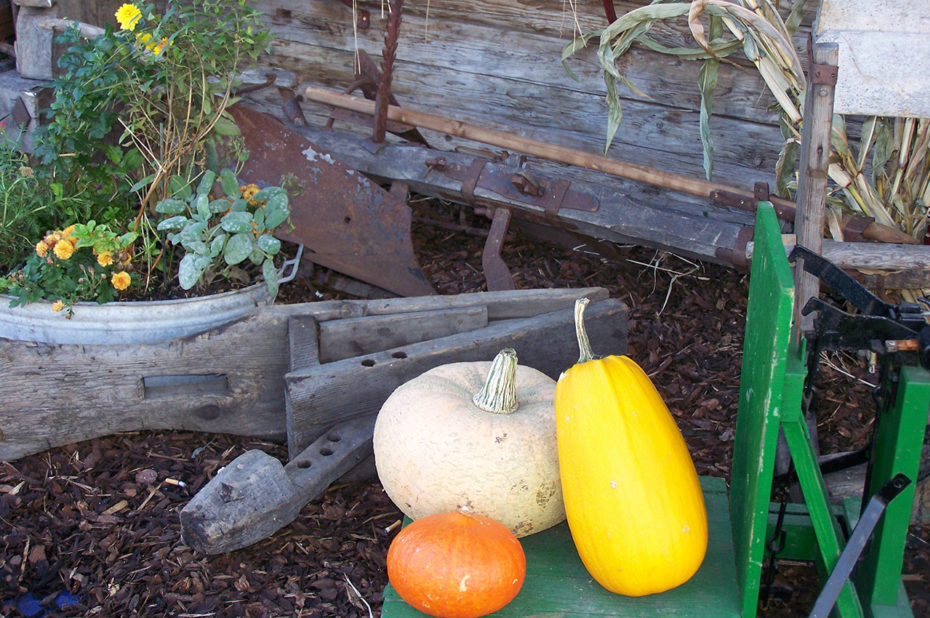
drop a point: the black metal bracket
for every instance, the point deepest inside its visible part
(856, 544)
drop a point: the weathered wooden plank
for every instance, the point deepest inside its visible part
(500, 305)
(224, 380)
(698, 231)
(359, 336)
(254, 496)
(467, 45)
(652, 134)
(357, 387)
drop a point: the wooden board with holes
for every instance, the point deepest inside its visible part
(320, 396)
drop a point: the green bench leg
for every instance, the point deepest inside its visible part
(897, 449)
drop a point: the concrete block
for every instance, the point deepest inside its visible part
(883, 55)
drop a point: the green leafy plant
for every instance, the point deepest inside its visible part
(82, 262)
(221, 233)
(135, 106)
(24, 204)
(139, 117)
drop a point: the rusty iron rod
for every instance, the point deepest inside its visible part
(564, 154)
(383, 98)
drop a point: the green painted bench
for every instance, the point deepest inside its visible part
(741, 520)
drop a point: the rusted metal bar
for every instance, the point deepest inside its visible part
(383, 98)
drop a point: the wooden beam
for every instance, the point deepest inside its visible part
(812, 184)
(562, 154)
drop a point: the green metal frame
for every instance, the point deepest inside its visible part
(771, 387)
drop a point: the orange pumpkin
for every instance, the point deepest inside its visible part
(456, 565)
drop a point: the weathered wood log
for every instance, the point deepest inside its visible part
(34, 43)
(254, 496)
(877, 265)
(319, 396)
(224, 380)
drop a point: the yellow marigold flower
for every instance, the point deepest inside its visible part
(64, 249)
(41, 248)
(128, 16)
(105, 258)
(57, 306)
(51, 238)
(248, 192)
(121, 280)
(68, 231)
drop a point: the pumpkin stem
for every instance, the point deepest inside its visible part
(584, 346)
(499, 393)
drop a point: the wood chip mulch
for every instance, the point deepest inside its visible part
(92, 529)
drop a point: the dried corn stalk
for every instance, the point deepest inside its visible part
(885, 175)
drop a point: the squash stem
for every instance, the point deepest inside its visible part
(499, 393)
(584, 346)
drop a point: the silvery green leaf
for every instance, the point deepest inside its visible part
(202, 204)
(218, 244)
(239, 205)
(195, 246)
(191, 269)
(229, 182)
(258, 216)
(276, 209)
(236, 222)
(238, 248)
(271, 277)
(220, 206)
(172, 223)
(257, 256)
(193, 231)
(269, 244)
(206, 182)
(171, 206)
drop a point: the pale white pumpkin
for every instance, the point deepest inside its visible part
(478, 436)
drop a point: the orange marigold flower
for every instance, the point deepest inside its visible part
(68, 231)
(248, 192)
(105, 258)
(41, 248)
(57, 306)
(64, 249)
(121, 280)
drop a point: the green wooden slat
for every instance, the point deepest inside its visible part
(762, 379)
(557, 583)
(826, 528)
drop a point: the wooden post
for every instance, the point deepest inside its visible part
(812, 184)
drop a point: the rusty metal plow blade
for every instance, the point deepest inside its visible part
(345, 221)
